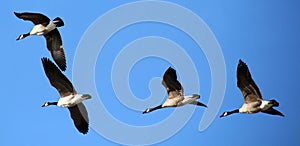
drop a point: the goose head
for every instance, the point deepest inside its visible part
(22, 36)
(148, 110)
(224, 114)
(45, 104)
(229, 113)
(49, 103)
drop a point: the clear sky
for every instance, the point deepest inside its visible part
(264, 34)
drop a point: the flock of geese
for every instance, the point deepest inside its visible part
(69, 98)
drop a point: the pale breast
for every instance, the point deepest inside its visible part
(67, 101)
(41, 29)
(252, 107)
(173, 102)
(38, 30)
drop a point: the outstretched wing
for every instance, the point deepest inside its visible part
(54, 45)
(246, 84)
(273, 111)
(57, 79)
(171, 84)
(80, 118)
(36, 18)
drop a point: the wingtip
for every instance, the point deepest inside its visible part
(47, 63)
(281, 114)
(63, 68)
(83, 129)
(84, 132)
(17, 14)
(45, 59)
(241, 63)
(171, 68)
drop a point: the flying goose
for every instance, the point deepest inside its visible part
(68, 96)
(253, 102)
(175, 93)
(43, 26)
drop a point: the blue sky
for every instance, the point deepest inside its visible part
(265, 34)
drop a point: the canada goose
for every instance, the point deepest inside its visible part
(253, 102)
(43, 26)
(68, 96)
(175, 93)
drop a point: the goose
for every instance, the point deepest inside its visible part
(43, 26)
(253, 101)
(175, 91)
(68, 96)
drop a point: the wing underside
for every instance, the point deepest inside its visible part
(246, 84)
(57, 79)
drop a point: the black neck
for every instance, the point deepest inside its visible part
(52, 103)
(26, 34)
(234, 111)
(153, 109)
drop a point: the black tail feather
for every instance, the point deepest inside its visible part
(59, 22)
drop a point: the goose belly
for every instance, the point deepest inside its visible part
(188, 100)
(170, 103)
(38, 30)
(69, 101)
(250, 108)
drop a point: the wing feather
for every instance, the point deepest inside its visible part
(273, 111)
(35, 18)
(80, 118)
(172, 85)
(246, 84)
(54, 45)
(57, 79)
